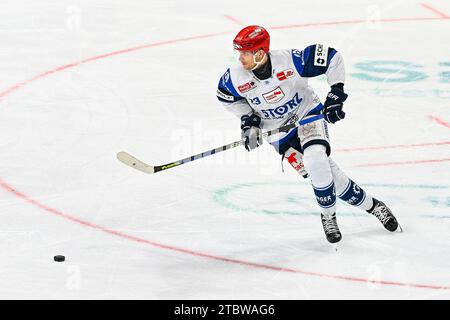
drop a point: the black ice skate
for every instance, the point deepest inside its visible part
(331, 228)
(384, 214)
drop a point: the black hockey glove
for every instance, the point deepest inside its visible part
(251, 133)
(332, 111)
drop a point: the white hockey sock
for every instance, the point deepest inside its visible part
(317, 164)
(348, 191)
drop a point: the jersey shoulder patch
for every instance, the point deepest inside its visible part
(227, 84)
(226, 92)
(299, 58)
(314, 60)
(320, 55)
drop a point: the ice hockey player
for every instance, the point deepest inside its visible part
(269, 89)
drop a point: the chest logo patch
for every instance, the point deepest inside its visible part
(286, 74)
(247, 86)
(274, 96)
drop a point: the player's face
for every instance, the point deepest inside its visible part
(246, 59)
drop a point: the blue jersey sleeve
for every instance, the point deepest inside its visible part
(226, 91)
(313, 61)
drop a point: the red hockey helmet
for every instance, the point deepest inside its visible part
(252, 38)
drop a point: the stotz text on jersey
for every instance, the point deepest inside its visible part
(279, 112)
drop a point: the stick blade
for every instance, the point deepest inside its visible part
(135, 163)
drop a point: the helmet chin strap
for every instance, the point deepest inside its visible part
(257, 64)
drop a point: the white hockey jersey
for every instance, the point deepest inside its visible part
(285, 96)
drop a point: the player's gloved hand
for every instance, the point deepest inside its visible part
(332, 111)
(251, 133)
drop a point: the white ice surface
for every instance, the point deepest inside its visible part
(168, 236)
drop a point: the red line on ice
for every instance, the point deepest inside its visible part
(102, 56)
(114, 53)
(233, 19)
(122, 235)
(7, 187)
(401, 163)
(355, 22)
(440, 121)
(397, 146)
(439, 13)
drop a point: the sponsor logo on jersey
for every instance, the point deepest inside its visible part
(283, 75)
(224, 96)
(274, 96)
(280, 111)
(297, 53)
(225, 78)
(321, 55)
(247, 86)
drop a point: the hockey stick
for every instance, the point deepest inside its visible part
(137, 164)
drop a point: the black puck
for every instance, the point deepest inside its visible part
(59, 258)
